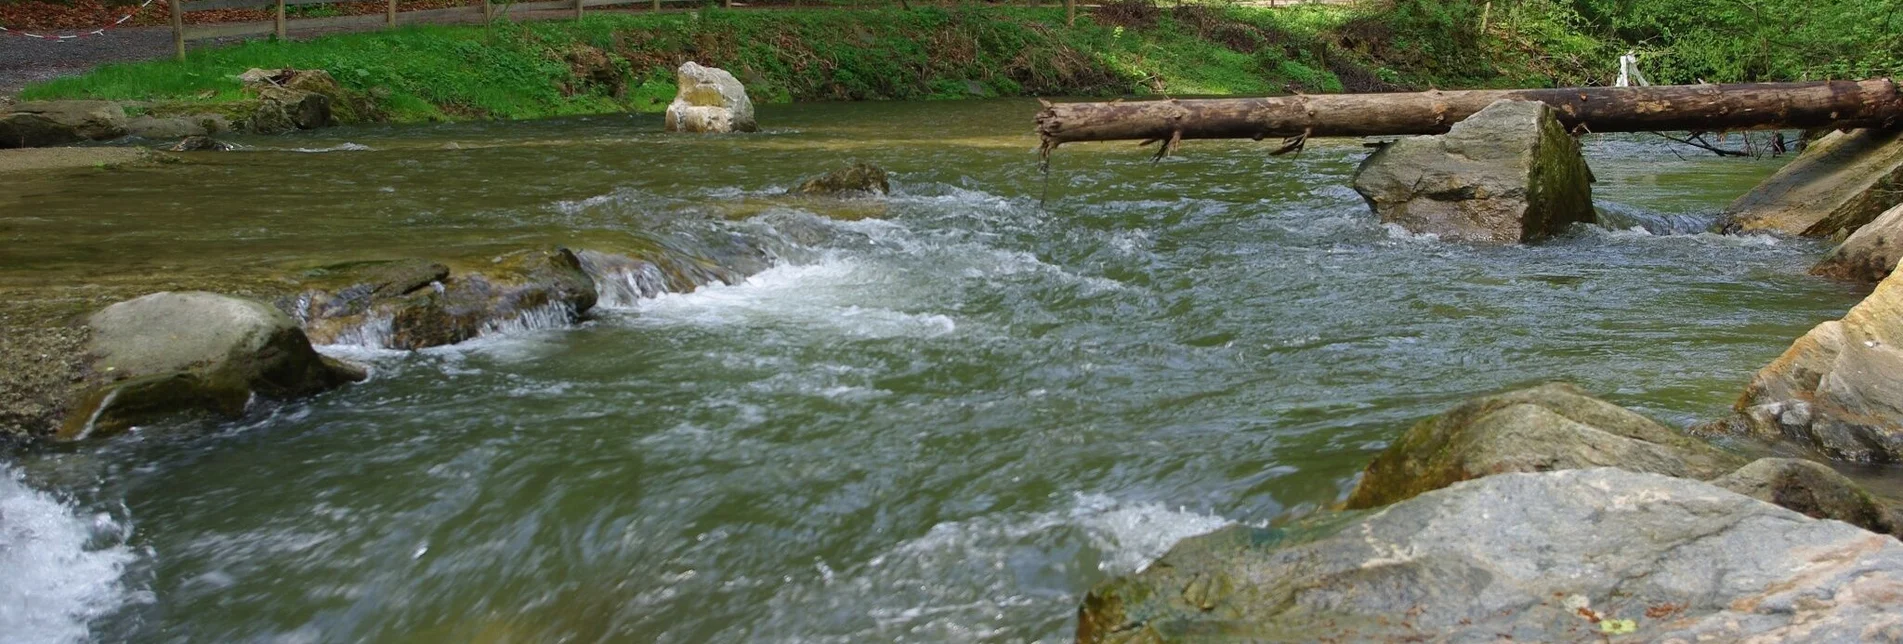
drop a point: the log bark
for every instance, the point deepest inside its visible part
(1656, 108)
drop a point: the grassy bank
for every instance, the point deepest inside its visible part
(612, 62)
(622, 62)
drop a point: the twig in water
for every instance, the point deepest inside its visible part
(1697, 140)
(1293, 144)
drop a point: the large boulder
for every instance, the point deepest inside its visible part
(1508, 174)
(1869, 254)
(709, 100)
(1838, 389)
(1815, 490)
(193, 351)
(415, 304)
(1550, 427)
(36, 124)
(283, 109)
(1575, 555)
(1839, 182)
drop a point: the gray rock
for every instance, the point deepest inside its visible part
(1839, 388)
(1550, 427)
(709, 100)
(1839, 183)
(1557, 556)
(44, 123)
(1508, 174)
(1813, 489)
(168, 352)
(1869, 254)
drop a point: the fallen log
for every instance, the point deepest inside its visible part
(1704, 108)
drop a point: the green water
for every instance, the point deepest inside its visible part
(943, 424)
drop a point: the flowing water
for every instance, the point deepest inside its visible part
(941, 424)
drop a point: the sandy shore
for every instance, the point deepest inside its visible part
(30, 159)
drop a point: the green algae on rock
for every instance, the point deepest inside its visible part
(1551, 427)
(1815, 490)
(1508, 174)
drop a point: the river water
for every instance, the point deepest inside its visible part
(941, 424)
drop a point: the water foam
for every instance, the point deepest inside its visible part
(56, 579)
(341, 147)
(805, 295)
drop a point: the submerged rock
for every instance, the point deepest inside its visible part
(709, 100)
(174, 127)
(1815, 490)
(1869, 254)
(1839, 183)
(44, 123)
(1550, 427)
(1508, 174)
(1838, 389)
(858, 179)
(170, 352)
(201, 144)
(416, 304)
(1556, 556)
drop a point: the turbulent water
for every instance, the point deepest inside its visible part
(943, 424)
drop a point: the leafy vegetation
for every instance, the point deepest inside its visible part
(614, 62)
(1575, 42)
(610, 62)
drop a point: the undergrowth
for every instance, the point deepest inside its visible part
(610, 62)
(616, 62)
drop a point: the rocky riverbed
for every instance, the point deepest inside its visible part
(952, 420)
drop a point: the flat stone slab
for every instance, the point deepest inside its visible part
(1563, 556)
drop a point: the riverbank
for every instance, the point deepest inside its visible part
(624, 62)
(620, 63)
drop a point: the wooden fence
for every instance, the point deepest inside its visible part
(486, 12)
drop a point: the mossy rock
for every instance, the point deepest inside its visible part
(858, 179)
(1550, 427)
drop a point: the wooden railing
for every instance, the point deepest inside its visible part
(279, 25)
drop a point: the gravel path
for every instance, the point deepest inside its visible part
(25, 60)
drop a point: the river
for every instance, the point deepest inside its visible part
(941, 424)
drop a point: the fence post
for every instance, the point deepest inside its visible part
(578, 9)
(488, 12)
(178, 26)
(657, 5)
(389, 13)
(1070, 12)
(280, 20)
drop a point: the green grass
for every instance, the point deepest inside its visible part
(625, 62)
(554, 68)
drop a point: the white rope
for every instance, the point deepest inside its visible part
(74, 36)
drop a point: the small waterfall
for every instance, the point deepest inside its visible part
(541, 318)
(1617, 216)
(374, 332)
(621, 281)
